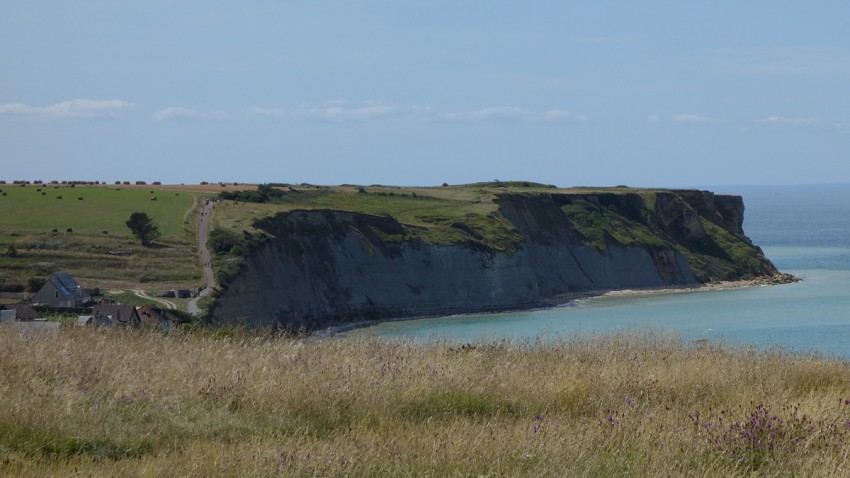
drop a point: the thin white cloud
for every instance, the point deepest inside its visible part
(785, 120)
(493, 113)
(269, 112)
(654, 118)
(564, 115)
(78, 108)
(177, 112)
(692, 118)
(339, 111)
(342, 113)
(512, 113)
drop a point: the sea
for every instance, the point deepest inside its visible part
(804, 230)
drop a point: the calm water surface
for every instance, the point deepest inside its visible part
(803, 230)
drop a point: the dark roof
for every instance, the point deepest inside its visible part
(67, 285)
(121, 314)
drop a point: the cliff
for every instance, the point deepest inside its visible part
(317, 267)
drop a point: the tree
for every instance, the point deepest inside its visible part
(143, 228)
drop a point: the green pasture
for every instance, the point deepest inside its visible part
(78, 235)
(90, 210)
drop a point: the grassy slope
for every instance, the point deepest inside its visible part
(27, 219)
(121, 403)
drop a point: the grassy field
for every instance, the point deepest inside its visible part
(75, 234)
(104, 208)
(92, 402)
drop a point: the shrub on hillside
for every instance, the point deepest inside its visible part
(264, 193)
(222, 241)
(34, 284)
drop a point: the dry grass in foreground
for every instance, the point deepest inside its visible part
(86, 402)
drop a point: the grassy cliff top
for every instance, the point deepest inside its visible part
(473, 215)
(432, 214)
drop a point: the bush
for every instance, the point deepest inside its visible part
(11, 287)
(222, 241)
(264, 193)
(143, 227)
(34, 284)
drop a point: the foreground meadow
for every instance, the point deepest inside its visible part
(87, 402)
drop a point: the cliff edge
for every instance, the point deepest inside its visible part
(512, 249)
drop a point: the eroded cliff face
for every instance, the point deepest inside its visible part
(322, 267)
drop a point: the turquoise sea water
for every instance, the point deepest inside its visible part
(804, 230)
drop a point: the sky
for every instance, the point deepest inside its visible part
(595, 93)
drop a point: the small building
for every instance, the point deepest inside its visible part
(155, 317)
(62, 290)
(115, 314)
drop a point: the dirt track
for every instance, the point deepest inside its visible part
(165, 303)
(203, 235)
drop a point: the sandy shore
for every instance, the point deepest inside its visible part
(777, 279)
(565, 299)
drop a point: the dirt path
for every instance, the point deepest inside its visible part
(165, 303)
(203, 235)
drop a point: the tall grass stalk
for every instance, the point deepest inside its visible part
(127, 403)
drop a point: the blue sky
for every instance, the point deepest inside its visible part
(406, 92)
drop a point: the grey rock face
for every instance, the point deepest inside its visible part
(328, 266)
(324, 267)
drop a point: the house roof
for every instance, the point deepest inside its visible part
(149, 313)
(67, 285)
(123, 314)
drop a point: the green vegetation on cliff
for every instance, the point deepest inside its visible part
(638, 218)
(471, 215)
